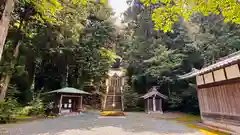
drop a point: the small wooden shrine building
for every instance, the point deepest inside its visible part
(219, 92)
(67, 100)
(154, 100)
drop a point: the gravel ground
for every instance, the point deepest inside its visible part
(91, 124)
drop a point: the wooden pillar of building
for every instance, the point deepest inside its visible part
(147, 105)
(154, 103)
(60, 104)
(81, 99)
(122, 100)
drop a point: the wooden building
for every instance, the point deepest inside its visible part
(67, 100)
(113, 97)
(154, 101)
(219, 92)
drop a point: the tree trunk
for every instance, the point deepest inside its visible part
(9, 76)
(4, 22)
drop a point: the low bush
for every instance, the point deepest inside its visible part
(8, 110)
(24, 111)
(131, 99)
(36, 107)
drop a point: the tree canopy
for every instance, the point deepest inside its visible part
(167, 12)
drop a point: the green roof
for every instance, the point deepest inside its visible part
(69, 90)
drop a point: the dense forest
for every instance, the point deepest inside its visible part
(75, 43)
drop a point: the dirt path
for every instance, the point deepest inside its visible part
(91, 124)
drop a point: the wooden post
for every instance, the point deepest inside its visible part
(160, 105)
(154, 103)
(147, 105)
(122, 84)
(108, 82)
(81, 106)
(122, 100)
(60, 104)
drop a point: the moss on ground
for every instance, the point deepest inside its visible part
(188, 118)
(112, 113)
(23, 117)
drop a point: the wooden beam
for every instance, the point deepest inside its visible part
(213, 77)
(203, 79)
(224, 82)
(70, 96)
(225, 73)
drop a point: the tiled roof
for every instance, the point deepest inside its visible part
(232, 58)
(69, 90)
(152, 92)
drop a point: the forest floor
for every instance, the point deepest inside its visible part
(91, 124)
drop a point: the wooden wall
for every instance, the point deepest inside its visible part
(220, 102)
(219, 94)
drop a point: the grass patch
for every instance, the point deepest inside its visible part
(188, 118)
(51, 117)
(23, 117)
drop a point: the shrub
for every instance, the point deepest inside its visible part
(131, 99)
(8, 110)
(24, 111)
(36, 107)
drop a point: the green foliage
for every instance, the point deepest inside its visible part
(8, 110)
(174, 100)
(24, 111)
(60, 43)
(48, 10)
(168, 11)
(163, 60)
(131, 98)
(36, 107)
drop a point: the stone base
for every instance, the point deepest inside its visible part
(153, 112)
